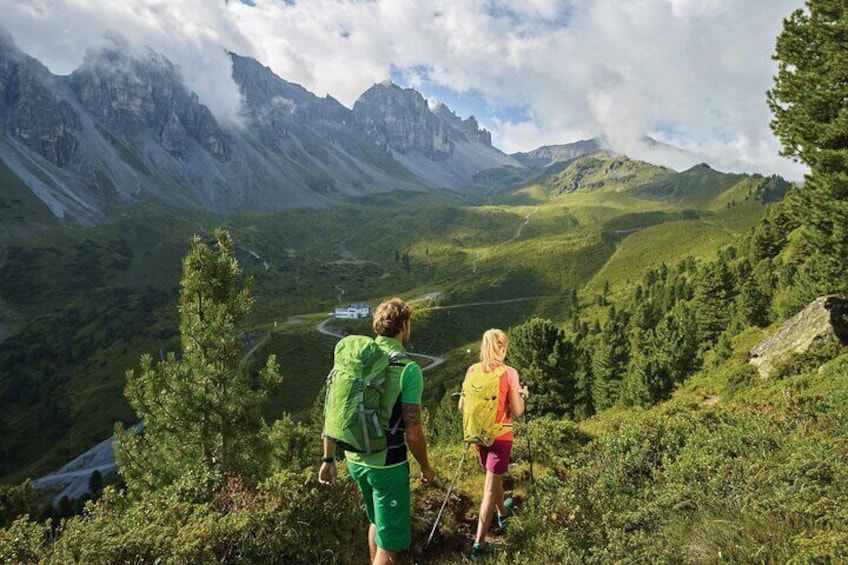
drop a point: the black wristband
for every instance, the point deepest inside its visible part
(328, 460)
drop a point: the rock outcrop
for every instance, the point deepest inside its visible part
(823, 319)
(399, 119)
(129, 96)
(35, 115)
(433, 143)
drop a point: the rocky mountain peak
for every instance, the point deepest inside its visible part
(124, 125)
(467, 128)
(143, 94)
(399, 119)
(547, 155)
(34, 113)
(274, 104)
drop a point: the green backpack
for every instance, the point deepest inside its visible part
(360, 395)
(480, 406)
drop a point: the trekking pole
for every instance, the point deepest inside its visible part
(529, 447)
(450, 488)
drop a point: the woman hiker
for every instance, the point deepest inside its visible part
(494, 458)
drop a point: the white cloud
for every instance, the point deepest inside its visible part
(691, 72)
(191, 33)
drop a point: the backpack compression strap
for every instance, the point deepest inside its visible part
(398, 359)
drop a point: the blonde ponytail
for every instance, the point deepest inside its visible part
(493, 348)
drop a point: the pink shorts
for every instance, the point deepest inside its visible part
(495, 458)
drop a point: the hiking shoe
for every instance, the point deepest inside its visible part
(480, 552)
(503, 519)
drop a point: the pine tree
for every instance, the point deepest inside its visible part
(645, 375)
(810, 106)
(676, 340)
(755, 295)
(609, 361)
(661, 358)
(546, 361)
(200, 410)
(584, 405)
(714, 294)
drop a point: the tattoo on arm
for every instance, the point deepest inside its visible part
(411, 415)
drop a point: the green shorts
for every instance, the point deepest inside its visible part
(387, 503)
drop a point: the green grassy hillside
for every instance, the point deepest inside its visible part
(604, 171)
(90, 301)
(732, 469)
(19, 207)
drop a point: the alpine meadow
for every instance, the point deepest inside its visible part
(172, 289)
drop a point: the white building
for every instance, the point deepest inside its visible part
(353, 312)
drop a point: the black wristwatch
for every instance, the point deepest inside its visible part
(328, 460)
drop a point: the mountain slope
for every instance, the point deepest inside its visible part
(605, 171)
(549, 154)
(436, 145)
(122, 129)
(108, 292)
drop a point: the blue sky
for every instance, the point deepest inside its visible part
(534, 72)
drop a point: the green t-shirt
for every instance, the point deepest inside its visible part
(411, 390)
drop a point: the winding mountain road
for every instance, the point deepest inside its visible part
(72, 479)
(323, 329)
(435, 361)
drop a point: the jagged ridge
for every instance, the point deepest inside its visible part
(123, 128)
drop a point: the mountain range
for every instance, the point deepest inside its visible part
(123, 128)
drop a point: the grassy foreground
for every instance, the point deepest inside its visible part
(732, 469)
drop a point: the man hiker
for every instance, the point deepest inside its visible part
(383, 476)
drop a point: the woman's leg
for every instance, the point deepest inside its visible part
(492, 499)
(499, 496)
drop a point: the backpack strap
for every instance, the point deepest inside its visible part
(398, 359)
(499, 372)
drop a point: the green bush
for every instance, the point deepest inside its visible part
(16, 501)
(293, 444)
(749, 482)
(548, 438)
(444, 423)
(23, 541)
(287, 519)
(794, 364)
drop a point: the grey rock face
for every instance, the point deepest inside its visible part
(34, 115)
(399, 119)
(129, 96)
(274, 103)
(467, 129)
(124, 127)
(434, 144)
(824, 318)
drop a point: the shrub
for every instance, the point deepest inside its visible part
(286, 519)
(16, 501)
(444, 424)
(550, 439)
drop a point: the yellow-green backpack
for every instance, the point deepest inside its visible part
(360, 395)
(480, 406)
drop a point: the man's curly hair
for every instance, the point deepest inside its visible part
(390, 316)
